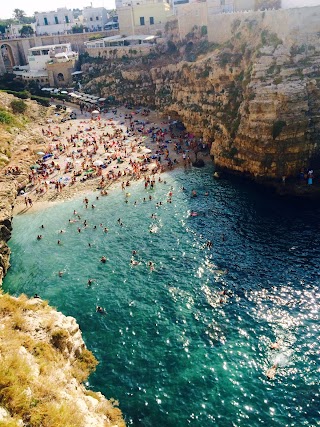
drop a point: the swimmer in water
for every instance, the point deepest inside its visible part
(103, 259)
(271, 372)
(39, 236)
(100, 310)
(151, 265)
(134, 262)
(60, 273)
(90, 281)
(275, 345)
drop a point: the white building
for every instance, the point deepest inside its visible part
(95, 18)
(38, 57)
(54, 22)
(42, 59)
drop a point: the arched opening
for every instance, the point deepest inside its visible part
(7, 56)
(60, 77)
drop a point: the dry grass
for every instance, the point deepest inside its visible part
(35, 373)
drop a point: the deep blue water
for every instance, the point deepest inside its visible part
(172, 349)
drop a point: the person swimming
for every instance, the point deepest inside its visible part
(100, 310)
(271, 372)
(103, 259)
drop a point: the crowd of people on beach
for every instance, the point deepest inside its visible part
(124, 147)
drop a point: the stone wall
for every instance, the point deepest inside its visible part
(291, 25)
(190, 15)
(120, 51)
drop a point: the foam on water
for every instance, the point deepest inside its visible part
(172, 348)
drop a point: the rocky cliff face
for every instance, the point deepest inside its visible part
(43, 362)
(255, 99)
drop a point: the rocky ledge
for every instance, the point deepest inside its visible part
(43, 362)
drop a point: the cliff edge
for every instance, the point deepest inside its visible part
(43, 363)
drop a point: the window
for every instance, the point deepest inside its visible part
(141, 20)
(56, 20)
(97, 18)
(66, 19)
(151, 20)
(45, 21)
(91, 19)
(60, 77)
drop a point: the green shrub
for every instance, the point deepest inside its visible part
(172, 48)
(18, 106)
(40, 100)
(6, 118)
(22, 95)
(204, 30)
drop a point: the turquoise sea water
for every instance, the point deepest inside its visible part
(172, 349)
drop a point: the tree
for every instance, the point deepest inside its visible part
(26, 31)
(19, 14)
(77, 29)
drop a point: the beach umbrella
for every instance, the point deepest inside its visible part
(41, 153)
(146, 150)
(102, 99)
(95, 112)
(98, 163)
(35, 167)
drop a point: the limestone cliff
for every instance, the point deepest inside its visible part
(43, 362)
(254, 99)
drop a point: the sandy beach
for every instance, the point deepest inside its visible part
(96, 152)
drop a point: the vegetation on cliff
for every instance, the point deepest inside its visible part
(43, 362)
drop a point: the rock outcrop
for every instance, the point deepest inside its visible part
(255, 99)
(43, 362)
